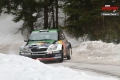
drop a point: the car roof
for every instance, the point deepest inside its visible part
(47, 30)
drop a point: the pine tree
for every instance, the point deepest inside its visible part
(23, 10)
(84, 19)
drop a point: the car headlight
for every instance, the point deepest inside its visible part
(58, 51)
(21, 48)
(26, 49)
(52, 47)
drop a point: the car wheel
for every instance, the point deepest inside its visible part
(19, 53)
(70, 54)
(61, 60)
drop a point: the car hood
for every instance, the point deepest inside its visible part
(45, 43)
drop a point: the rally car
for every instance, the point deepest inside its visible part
(47, 44)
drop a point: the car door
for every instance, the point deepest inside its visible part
(64, 42)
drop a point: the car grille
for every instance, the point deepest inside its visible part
(43, 56)
(37, 50)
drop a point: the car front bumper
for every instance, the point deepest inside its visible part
(43, 56)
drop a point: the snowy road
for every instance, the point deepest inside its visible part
(18, 67)
(93, 68)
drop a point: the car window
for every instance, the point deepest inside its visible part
(44, 35)
(61, 36)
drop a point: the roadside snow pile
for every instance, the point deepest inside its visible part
(99, 50)
(14, 67)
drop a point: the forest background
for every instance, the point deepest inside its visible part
(82, 17)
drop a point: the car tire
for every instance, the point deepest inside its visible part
(70, 54)
(61, 60)
(19, 53)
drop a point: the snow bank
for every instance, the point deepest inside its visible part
(99, 50)
(14, 67)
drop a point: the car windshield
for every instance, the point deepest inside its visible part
(43, 36)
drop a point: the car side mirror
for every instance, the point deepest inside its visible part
(63, 38)
(25, 40)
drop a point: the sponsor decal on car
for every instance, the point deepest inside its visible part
(60, 42)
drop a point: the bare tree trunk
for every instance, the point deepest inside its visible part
(8, 7)
(30, 23)
(0, 10)
(56, 3)
(45, 14)
(53, 17)
(31, 26)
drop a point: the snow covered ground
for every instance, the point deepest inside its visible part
(15, 67)
(98, 50)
